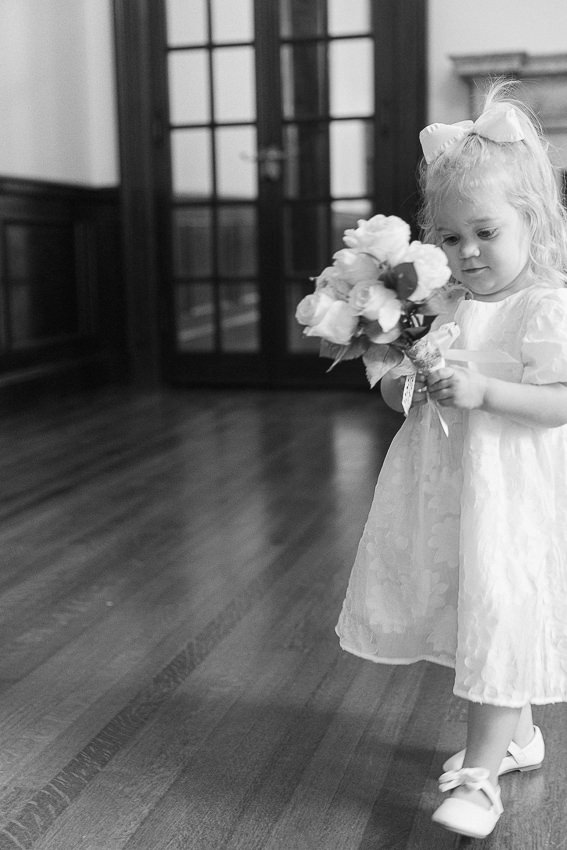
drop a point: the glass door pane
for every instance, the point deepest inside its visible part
(232, 20)
(348, 18)
(186, 22)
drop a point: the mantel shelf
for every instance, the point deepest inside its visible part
(542, 81)
(516, 65)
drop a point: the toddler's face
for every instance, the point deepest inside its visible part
(486, 242)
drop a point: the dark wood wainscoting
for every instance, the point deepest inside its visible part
(62, 306)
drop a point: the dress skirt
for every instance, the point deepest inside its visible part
(463, 559)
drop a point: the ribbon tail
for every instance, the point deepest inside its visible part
(407, 395)
(442, 421)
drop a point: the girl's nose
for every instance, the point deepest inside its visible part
(469, 249)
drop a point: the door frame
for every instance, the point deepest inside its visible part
(141, 93)
(400, 97)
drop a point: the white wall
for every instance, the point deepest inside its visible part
(485, 26)
(57, 93)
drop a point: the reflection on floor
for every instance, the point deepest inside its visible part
(173, 566)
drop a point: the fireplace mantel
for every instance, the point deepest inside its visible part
(542, 83)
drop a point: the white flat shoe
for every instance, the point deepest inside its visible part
(527, 758)
(463, 816)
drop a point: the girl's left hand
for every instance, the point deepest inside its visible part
(457, 387)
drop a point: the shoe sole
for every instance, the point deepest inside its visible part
(465, 833)
(518, 769)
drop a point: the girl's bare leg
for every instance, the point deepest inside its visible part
(525, 728)
(490, 730)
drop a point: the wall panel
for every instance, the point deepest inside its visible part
(61, 287)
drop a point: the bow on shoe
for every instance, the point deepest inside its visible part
(471, 777)
(476, 779)
(500, 123)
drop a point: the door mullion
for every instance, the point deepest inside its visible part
(270, 211)
(214, 181)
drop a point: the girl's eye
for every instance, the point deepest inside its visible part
(487, 233)
(449, 240)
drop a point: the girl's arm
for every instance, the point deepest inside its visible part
(535, 405)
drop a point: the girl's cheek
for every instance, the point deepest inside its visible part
(453, 265)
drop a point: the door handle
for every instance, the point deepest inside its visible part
(269, 161)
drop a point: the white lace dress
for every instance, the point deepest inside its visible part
(463, 560)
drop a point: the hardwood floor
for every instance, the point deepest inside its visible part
(172, 570)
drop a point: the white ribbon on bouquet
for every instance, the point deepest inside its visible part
(459, 355)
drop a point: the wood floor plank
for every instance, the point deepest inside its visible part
(88, 680)
(173, 565)
(300, 627)
(271, 663)
(333, 801)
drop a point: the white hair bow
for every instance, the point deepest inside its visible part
(500, 123)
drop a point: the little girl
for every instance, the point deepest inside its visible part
(463, 560)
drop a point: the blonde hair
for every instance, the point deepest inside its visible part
(522, 169)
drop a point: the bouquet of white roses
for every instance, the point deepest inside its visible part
(372, 302)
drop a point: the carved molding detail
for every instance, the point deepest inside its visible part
(543, 86)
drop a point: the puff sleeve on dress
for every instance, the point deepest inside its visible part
(544, 346)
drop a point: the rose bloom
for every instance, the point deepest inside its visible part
(354, 267)
(384, 237)
(431, 267)
(376, 303)
(337, 325)
(312, 308)
(331, 282)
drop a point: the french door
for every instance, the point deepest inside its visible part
(287, 120)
